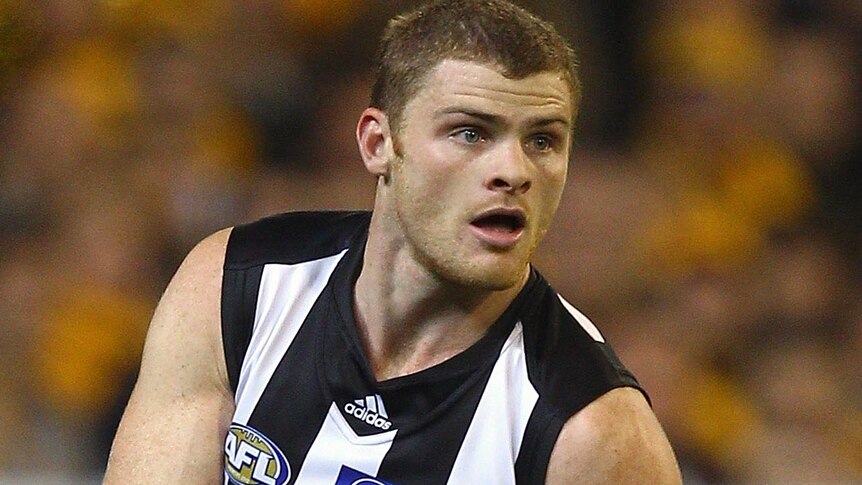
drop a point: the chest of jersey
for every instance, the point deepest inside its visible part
(308, 410)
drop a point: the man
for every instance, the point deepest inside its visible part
(415, 344)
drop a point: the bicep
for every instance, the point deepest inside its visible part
(616, 439)
(174, 425)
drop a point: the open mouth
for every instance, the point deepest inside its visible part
(500, 228)
(500, 222)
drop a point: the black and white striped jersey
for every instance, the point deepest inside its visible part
(310, 411)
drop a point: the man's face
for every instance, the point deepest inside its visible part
(482, 165)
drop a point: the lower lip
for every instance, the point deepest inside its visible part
(500, 239)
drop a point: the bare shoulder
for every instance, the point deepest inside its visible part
(188, 315)
(615, 439)
(181, 405)
(194, 291)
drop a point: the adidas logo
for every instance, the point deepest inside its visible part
(369, 410)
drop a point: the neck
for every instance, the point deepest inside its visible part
(409, 318)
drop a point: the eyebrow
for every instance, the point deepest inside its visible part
(498, 120)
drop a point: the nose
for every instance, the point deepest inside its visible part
(510, 170)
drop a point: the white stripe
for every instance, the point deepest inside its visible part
(371, 403)
(493, 440)
(286, 295)
(337, 444)
(582, 319)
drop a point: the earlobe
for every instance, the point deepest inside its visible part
(375, 141)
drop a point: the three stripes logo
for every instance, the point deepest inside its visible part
(369, 410)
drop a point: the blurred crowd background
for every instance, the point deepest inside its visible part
(711, 226)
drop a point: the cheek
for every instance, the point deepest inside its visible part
(419, 191)
(435, 173)
(553, 183)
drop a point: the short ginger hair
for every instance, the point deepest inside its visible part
(493, 32)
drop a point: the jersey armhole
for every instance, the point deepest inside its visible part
(540, 436)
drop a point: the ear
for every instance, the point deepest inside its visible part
(375, 141)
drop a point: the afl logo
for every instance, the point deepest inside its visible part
(250, 458)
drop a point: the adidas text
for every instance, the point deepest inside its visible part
(363, 414)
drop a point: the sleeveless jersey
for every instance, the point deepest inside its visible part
(310, 411)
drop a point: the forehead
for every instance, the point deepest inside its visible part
(470, 85)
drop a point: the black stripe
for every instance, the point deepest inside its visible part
(238, 303)
(293, 237)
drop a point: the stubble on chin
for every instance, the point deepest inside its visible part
(433, 241)
(454, 266)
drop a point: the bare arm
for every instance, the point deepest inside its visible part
(174, 426)
(616, 439)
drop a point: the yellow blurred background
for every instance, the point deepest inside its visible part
(711, 225)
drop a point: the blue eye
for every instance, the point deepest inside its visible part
(469, 135)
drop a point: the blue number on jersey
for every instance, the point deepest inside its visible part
(349, 476)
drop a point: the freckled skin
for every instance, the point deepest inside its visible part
(445, 178)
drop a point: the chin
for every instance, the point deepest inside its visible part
(488, 277)
(500, 284)
(472, 268)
